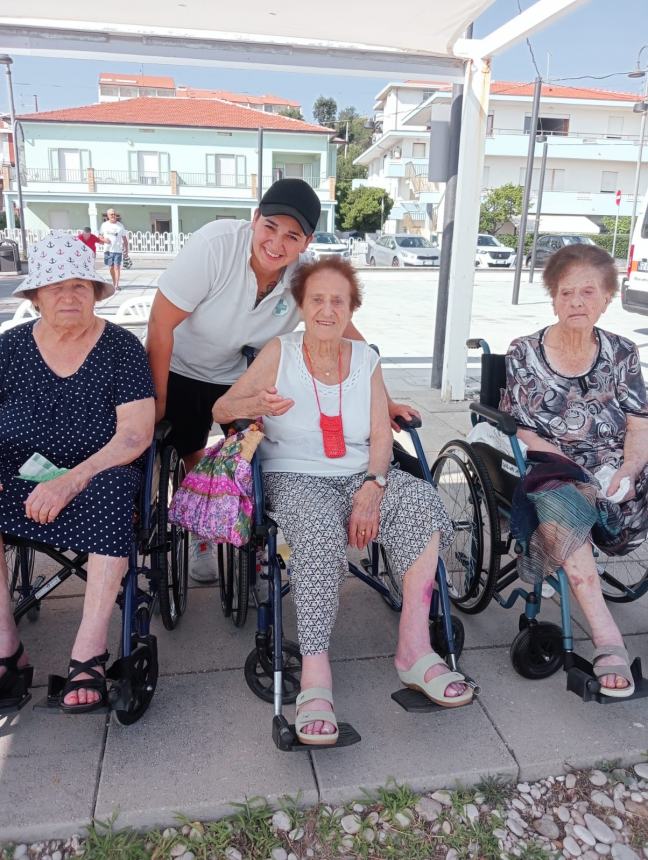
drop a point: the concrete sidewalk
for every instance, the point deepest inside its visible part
(205, 741)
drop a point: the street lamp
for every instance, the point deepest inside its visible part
(7, 61)
(640, 107)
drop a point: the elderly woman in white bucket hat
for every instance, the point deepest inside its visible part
(77, 390)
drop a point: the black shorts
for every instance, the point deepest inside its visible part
(189, 409)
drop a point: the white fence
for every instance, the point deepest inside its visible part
(153, 244)
(139, 242)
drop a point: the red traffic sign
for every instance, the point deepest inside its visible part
(618, 198)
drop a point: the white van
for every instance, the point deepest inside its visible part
(634, 291)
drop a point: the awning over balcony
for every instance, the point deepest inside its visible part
(564, 224)
(416, 211)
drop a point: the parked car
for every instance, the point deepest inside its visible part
(328, 245)
(402, 249)
(491, 252)
(634, 287)
(548, 245)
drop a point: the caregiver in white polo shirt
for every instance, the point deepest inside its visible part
(228, 287)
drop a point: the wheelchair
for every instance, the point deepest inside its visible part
(273, 668)
(476, 482)
(155, 582)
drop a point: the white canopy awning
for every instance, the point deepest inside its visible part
(359, 38)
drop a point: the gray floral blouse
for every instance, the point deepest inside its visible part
(585, 416)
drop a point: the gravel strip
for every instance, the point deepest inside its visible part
(586, 814)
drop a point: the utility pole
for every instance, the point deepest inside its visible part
(35, 103)
(638, 73)
(259, 164)
(542, 138)
(527, 190)
(7, 61)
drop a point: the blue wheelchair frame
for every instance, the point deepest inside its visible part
(269, 612)
(134, 674)
(580, 677)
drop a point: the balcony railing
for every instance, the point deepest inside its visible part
(46, 174)
(575, 135)
(126, 177)
(203, 180)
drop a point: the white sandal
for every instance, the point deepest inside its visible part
(435, 688)
(620, 669)
(305, 718)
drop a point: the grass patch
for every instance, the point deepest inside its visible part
(104, 842)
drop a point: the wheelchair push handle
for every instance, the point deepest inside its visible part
(502, 420)
(412, 423)
(250, 354)
(478, 343)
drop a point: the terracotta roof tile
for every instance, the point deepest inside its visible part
(137, 80)
(193, 113)
(504, 88)
(244, 98)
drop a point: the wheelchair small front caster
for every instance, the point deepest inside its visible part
(537, 651)
(259, 672)
(438, 638)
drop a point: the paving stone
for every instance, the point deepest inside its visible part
(381, 721)
(234, 758)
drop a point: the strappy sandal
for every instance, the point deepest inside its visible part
(16, 680)
(621, 669)
(435, 688)
(96, 682)
(305, 718)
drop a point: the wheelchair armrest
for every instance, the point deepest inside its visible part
(502, 420)
(250, 354)
(478, 343)
(162, 430)
(413, 424)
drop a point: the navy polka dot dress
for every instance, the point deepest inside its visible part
(67, 419)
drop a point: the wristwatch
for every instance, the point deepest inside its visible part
(381, 480)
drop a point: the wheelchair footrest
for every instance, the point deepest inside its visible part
(582, 681)
(19, 695)
(286, 740)
(51, 702)
(415, 702)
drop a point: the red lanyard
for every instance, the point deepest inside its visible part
(310, 370)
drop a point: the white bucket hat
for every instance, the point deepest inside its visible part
(56, 258)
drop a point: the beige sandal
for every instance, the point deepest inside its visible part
(305, 718)
(435, 688)
(621, 669)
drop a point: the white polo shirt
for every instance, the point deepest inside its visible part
(212, 279)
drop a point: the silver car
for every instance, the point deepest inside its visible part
(328, 245)
(402, 250)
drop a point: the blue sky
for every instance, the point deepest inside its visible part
(597, 39)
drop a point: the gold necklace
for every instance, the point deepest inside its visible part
(318, 367)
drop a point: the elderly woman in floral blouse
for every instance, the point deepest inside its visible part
(579, 398)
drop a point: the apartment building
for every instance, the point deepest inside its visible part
(169, 165)
(592, 151)
(115, 87)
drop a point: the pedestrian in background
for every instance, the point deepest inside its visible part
(114, 232)
(88, 238)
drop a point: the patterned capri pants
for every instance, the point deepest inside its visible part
(313, 512)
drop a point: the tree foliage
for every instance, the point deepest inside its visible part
(499, 206)
(325, 111)
(363, 209)
(292, 112)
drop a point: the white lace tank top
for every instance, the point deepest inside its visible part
(293, 441)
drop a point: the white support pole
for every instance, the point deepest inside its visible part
(466, 227)
(93, 222)
(175, 227)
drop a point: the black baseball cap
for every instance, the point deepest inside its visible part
(293, 197)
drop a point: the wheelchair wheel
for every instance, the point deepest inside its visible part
(472, 560)
(259, 673)
(224, 579)
(16, 557)
(172, 552)
(238, 569)
(133, 692)
(537, 651)
(624, 578)
(438, 638)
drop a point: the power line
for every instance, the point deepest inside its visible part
(533, 59)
